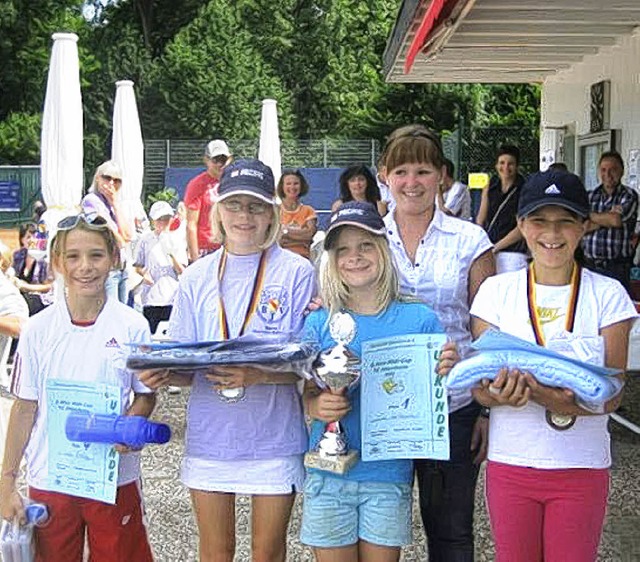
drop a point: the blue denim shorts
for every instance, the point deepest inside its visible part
(338, 512)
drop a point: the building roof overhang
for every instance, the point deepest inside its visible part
(501, 40)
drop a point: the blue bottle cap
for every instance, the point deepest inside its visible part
(36, 514)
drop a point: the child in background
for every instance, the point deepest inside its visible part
(160, 265)
(549, 458)
(364, 514)
(81, 338)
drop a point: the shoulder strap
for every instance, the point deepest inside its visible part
(501, 207)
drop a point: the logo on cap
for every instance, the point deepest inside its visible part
(552, 190)
(346, 213)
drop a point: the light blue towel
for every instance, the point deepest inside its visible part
(593, 385)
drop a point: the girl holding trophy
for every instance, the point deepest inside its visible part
(549, 457)
(245, 430)
(364, 513)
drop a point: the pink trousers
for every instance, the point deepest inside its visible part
(546, 515)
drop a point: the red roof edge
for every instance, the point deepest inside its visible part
(426, 26)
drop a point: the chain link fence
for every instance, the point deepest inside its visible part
(474, 149)
(311, 153)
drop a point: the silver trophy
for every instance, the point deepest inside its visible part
(337, 369)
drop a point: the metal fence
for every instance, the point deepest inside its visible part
(300, 153)
(474, 149)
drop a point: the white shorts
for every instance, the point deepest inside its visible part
(282, 475)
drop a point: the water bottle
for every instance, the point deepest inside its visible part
(133, 431)
(16, 541)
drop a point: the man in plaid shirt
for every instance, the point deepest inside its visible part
(614, 208)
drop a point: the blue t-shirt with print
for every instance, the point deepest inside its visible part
(400, 318)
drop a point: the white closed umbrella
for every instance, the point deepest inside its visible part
(61, 153)
(127, 149)
(269, 151)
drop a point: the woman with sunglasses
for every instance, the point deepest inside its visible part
(82, 338)
(245, 431)
(299, 222)
(102, 199)
(442, 261)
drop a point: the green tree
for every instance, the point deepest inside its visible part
(212, 78)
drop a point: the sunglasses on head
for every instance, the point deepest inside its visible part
(107, 177)
(92, 220)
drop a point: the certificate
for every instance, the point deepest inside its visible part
(88, 470)
(404, 410)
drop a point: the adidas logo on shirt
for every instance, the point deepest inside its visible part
(112, 343)
(552, 190)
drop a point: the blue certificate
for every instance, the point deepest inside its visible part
(88, 470)
(404, 411)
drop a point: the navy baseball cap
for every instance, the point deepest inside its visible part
(248, 177)
(358, 214)
(553, 187)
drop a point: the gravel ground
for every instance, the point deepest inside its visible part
(173, 531)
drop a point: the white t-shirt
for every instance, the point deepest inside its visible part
(52, 347)
(521, 436)
(458, 200)
(12, 303)
(440, 276)
(153, 255)
(217, 430)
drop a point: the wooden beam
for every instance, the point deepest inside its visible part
(543, 30)
(555, 17)
(556, 5)
(475, 41)
(528, 50)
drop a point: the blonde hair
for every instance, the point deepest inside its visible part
(412, 143)
(59, 242)
(219, 235)
(6, 257)
(108, 168)
(335, 292)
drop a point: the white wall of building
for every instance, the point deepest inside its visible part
(566, 98)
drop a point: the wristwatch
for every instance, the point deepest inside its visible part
(485, 412)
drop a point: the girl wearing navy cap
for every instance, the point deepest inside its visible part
(245, 430)
(549, 458)
(364, 514)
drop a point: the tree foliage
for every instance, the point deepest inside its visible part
(202, 68)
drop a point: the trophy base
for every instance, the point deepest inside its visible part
(338, 464)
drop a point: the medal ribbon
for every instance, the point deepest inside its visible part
(253, 300)
(534, 317)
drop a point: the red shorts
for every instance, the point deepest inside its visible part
(116, 533)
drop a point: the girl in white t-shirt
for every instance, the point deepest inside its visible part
(245, 429)
(547, 476)
(82, 338)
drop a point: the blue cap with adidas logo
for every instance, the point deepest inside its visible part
(553, 187)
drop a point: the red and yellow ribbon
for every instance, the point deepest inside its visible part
(534, 317)
(253, 301)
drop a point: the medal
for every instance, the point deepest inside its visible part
(232, 395)
(560, 422)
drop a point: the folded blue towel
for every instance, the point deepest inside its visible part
(593, 385)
